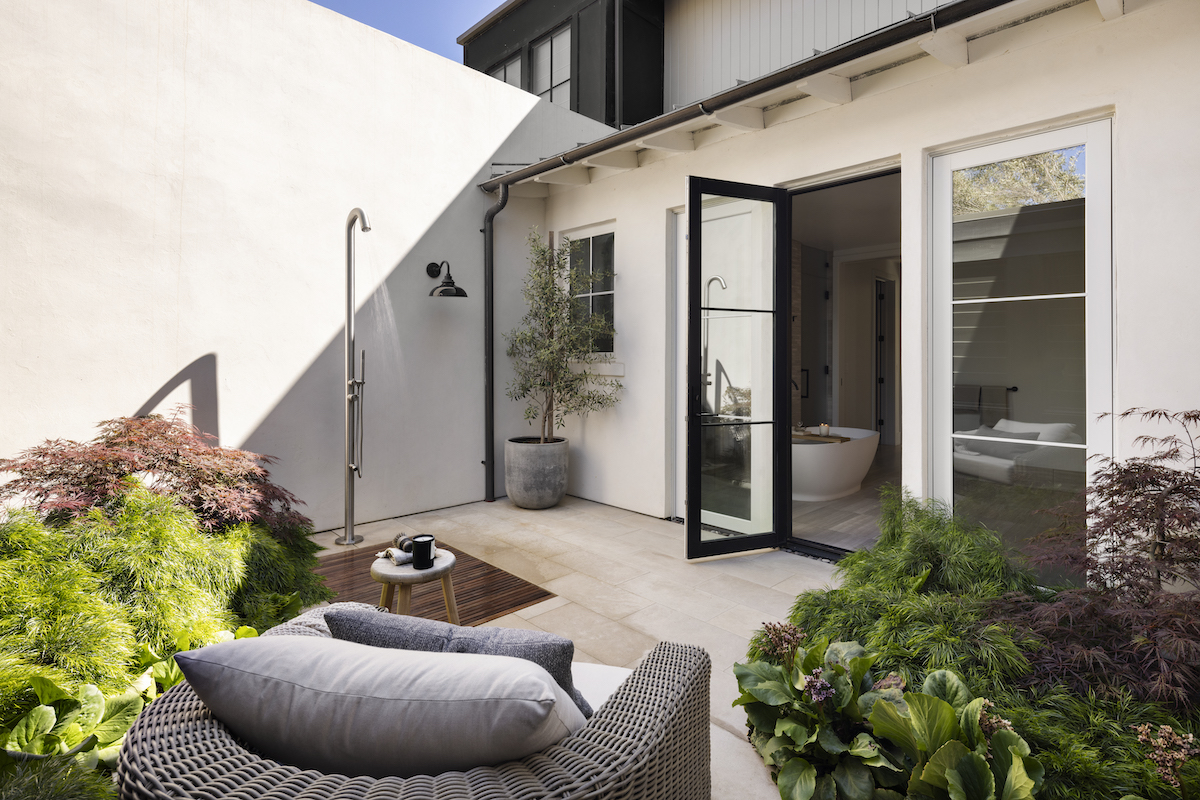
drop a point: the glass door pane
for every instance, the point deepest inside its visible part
(1018, 288)
(734, 410)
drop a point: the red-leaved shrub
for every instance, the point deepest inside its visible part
(62, 478)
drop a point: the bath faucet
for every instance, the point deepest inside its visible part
(704, 381)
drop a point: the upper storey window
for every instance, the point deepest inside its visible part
(551, 67)
(509, 72)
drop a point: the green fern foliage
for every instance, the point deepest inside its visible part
(925, 598)
(80, 601)
(154, 561)
(54, 619)
(61, 778)
(918, 597)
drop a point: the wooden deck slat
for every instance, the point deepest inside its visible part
(483, 592)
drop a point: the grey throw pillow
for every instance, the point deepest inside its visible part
(1001, 449)
(312, 622)
(341, 707)
(552, 653)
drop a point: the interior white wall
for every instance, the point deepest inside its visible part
(854, 347)
(1064, 67)
(176, 176)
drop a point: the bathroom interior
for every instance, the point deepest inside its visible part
(845, 363)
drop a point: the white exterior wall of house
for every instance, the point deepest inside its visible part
(1057, 70)
(175, 177)
(711, 45)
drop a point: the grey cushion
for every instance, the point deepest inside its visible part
(347, 708)
(312, 622)
(1001, 449)
(551, 652)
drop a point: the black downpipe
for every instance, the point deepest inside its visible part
(489, 368)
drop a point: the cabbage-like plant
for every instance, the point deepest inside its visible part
(830, 732)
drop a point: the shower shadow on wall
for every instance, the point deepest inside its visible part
(201, 375)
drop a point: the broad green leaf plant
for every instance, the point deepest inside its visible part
(83, 723)
(829, 732)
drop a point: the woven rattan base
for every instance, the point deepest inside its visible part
(649, 741)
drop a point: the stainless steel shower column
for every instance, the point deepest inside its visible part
(354, 383)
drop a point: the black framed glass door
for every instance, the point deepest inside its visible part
(737, 400)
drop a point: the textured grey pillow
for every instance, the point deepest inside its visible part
(552, 653)
(347, 708)
(1001, 449)
(312, 622)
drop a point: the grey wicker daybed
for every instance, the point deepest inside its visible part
(649, 740)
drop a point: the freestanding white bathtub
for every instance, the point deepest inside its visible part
(829, 470)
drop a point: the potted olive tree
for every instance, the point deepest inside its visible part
(551, 351)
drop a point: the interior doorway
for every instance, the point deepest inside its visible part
(845, 356)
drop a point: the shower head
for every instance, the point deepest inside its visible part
(362, 219)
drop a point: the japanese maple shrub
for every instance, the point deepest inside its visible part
(1136, 626)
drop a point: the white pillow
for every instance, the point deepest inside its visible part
(352, 709)
(1046, 431)
(598, 682)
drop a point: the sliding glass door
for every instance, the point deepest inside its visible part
(738, 250)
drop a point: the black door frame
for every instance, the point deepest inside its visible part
(781, 399)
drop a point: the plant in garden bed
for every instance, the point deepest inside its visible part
(831, 732)
(917, 598)
(81, 724)
(79, 598)
(924, 598)
(237, 533)
(1136, 626)
(61, 478)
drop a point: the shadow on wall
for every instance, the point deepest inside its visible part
(423, 398)
(201, 374)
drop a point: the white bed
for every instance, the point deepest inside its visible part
(989, 467)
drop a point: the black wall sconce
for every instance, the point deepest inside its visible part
(447, 287)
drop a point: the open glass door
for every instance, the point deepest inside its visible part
(738, 475)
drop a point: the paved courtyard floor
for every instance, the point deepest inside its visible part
(623, 585)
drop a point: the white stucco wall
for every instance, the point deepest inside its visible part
(175, 177)
(1057, 69)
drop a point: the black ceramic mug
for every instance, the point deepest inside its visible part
(422, 550)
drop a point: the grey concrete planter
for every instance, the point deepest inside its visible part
(535, 474)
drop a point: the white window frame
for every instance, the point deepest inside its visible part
(1098, 271)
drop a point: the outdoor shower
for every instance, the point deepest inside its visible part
(354, 385)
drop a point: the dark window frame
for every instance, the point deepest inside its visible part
(591, 294)
(524, 51)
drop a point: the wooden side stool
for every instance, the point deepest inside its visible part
(405, 576)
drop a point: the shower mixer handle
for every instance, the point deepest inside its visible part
(355, 396)
(360, 391)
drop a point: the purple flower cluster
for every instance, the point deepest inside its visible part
(1170, 750)
(780, 641)
(817, 687)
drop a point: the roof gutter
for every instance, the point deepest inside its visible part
(896, 34)
(891, 36)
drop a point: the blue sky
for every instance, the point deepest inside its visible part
(431, 24)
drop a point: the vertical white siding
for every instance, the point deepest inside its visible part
(713, 44)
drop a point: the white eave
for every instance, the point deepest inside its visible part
(742, 109)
